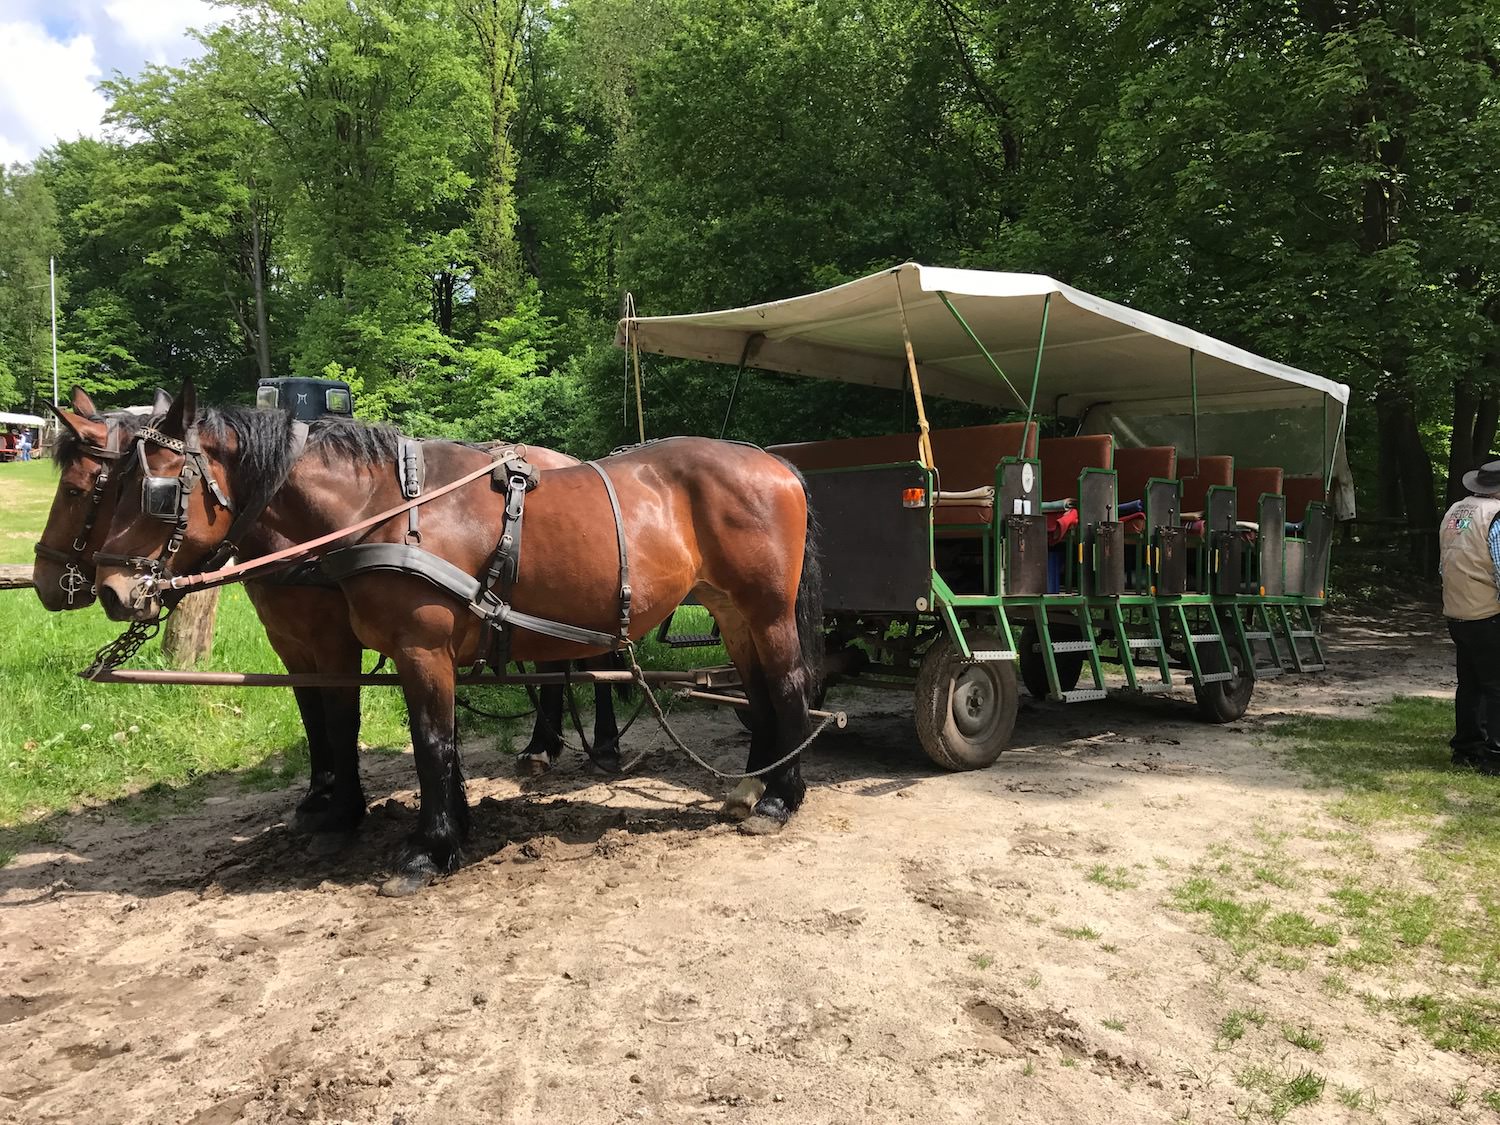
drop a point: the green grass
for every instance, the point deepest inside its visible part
(1115, 878)
(1079, 933)
(64, 741)
(1302, 1037)
(1233, 1026)
(1284, 1092)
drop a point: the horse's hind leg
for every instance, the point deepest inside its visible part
(443, 820)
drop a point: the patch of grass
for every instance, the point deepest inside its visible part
(1233, 1026)
(1034, 980)
(1334, 985)
(1114, 1023)
(1029, 1069)
(982, 960)
(1298, 931)
(1115, 878)
(1302, 1037)
(1353, 1098)
(1230, 919)
(1070, 1062)
(1456, 1023)
(1108, 947)
(1079, 933)
(1285, 1092)
(1458, 1097)
(1491, 1099)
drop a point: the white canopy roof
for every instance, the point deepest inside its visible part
(1097, 352)
(7, 419)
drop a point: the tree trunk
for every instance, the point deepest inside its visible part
(188, 636)
(1461, 445)
(1401, 441)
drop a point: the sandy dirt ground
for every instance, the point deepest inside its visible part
(612, 953)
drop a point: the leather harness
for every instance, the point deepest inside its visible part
(488, 599)
(72, 580)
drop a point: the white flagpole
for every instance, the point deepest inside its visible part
(52, 273)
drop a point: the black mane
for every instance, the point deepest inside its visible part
(264, 439)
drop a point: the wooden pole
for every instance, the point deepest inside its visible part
(924, 442)
(188, 636)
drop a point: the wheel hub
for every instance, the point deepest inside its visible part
(974, 701)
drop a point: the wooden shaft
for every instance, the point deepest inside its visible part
(384, 679)
(924, 441)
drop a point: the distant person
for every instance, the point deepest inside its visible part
(25, 445)
(1469, 538)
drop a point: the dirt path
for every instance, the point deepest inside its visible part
(917, 946)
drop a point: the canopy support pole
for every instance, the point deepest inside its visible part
(980, 345)
(1036, 374)
(924, 442)
(640, 411)
(1333, 453)
(1193, 375)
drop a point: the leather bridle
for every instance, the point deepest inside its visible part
(73, 580)
(167, 499)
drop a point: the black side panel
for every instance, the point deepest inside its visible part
(1163, 503)
(1109, 559)
(1025, 555)
(1318, 528)
(1227, 561)
(1296, 557)
(1013, 474)
(1171, 562)
(877, 553)
(1272, 554)
(1219, 509)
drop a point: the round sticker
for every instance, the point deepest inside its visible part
(1028, 477)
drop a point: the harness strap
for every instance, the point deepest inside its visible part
(614, 504)
(445, 576)
(411, 472)
(518, 477)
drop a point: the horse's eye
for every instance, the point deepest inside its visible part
(74, 492)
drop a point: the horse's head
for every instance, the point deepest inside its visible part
(172, 511)
(88, 453)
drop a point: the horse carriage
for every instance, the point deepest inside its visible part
(948, 558)
(1152, 508)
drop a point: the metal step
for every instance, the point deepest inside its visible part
(1304, 634)
(1083, 695)
(1313, 667)
(1269, 672)
(992, 654)
(1144, 642)
(1249, 636)
(1215, 677)
(1150, 688)
(1071, 646)
(1204, 638)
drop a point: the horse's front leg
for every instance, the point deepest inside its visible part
(434, 849)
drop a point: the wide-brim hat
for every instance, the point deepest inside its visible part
(1485, 479)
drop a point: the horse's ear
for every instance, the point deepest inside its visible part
(161, 403)
(82, 404)
(84, 428)
(183, 412)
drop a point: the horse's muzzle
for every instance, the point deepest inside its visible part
(128, 597)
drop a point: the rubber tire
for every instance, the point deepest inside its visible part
(1034, 667)
(1224, 701)
(942, 738)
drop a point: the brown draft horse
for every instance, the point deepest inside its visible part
(726, 522)
(64, 579)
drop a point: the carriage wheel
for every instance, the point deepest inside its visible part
(965, 710)
(1034, 665)
(1224, 701)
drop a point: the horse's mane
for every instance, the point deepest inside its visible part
(69, 448)
(264, 440)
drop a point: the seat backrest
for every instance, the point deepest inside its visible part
(1249, 486)
(1300, 492)
(1199, 474)
(966, 456)
(1064, 458)
(1137, 466)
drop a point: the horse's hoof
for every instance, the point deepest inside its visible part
(404, 884)
(768, 818)
(607, 757)
(319, 815)
(329, 843)
(533, 765)
(740, 803)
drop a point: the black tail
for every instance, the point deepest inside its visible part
(810, 599)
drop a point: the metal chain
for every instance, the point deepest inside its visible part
(123, 647)
(661, 719)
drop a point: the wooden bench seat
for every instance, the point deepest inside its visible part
(1299, 493)
(966, 459)
(1250, 485)
(1136, 467)
(1063, 459)
(1199, 474)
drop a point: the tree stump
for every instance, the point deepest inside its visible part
(188, 636)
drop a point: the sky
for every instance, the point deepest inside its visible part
(54, 53)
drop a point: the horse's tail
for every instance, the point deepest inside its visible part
(810, 598)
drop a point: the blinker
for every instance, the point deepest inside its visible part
(161, 497)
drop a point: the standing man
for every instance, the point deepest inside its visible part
(1469, 539)
(25, 445)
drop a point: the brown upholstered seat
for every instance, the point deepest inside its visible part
(1250, 485)
(966, 458)
(1137, 466)
(1300, 492)
(1199, 475)
(1063, 459)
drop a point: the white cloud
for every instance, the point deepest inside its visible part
(159, 27)
(46, 89)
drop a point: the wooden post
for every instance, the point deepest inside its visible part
(188, 636)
